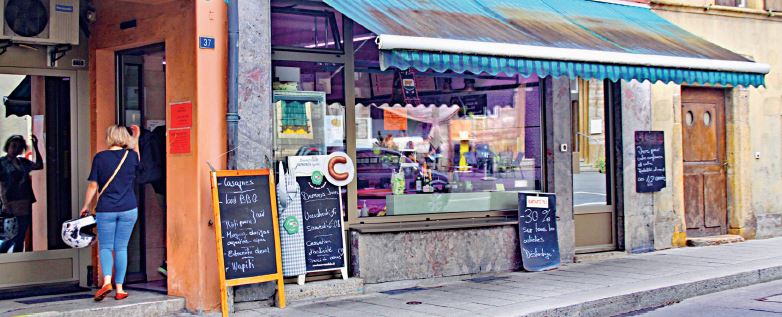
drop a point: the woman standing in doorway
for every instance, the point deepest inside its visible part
(112, 181)
(16, 188)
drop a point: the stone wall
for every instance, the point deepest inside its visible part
(397, 256)
(255, 107)
(752, 115)
(639, 215)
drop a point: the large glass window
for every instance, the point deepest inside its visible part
(309, 109)
(35, 178)
(432, 142)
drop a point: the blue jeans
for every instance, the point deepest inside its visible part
(114, 230)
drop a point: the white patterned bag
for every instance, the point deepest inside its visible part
(9, 228)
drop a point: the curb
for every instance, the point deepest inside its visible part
(662, 296)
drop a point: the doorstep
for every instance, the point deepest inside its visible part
(599, 256)
(81, 304)
(713, 240)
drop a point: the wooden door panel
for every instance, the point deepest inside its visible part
(703, 150)
(693, 204)
(700, 132)
(715, 199)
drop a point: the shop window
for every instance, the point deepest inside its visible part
(305, 29)
(731, 3)
(430, 143)
(35, 178)
(309, 109)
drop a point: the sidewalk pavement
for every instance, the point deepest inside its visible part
(604, 288)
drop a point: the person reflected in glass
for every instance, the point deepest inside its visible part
(16, 188)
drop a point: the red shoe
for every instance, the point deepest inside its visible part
(121, 296)
(103, 292)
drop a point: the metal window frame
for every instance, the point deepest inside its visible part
(332, 24)
(348, 61)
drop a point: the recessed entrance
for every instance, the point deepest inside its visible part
(141, 100)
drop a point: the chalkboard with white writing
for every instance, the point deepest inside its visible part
(247, 226)
(322, 214)
(649, 161)
(538, 231)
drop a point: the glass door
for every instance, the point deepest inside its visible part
(592, 186)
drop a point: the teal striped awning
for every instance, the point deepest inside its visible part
(600, 39)
(495, 65)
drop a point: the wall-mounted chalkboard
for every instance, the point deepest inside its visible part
(538, 231)
(246, 228)
(324, 247)
(649, 161)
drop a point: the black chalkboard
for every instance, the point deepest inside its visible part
(322, 214)
(538, 231)
(649, 161)
(247, 226)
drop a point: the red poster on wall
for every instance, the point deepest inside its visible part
(181, 115)
(179, 141)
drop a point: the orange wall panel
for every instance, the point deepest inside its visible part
(192, 75)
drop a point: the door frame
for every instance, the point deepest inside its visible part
(612, 119)
(727, 132)
(122, 58)
(77, 150)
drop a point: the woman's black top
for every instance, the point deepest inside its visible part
(119, 196)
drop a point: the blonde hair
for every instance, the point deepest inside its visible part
(118, 136)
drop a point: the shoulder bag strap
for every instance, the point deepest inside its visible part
(116, 170)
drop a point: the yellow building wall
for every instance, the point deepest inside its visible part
(753, 117)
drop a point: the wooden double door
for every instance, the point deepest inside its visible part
(705, 165)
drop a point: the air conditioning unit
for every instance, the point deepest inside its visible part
(44, 22)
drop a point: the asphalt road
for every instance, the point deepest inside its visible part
(752, 301)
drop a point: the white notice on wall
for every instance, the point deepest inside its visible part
(596, 126)
(335, 130)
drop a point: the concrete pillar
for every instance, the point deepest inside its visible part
(559, 176)
(639, 217)
(742, 217)
(669, 227)
(256, 126)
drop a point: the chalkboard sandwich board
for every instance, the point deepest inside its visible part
(247, 231)
(538, 231)
(320, 179)
(649, 161)
(323, 240)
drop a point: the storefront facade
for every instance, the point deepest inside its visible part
(443, 112)
(752, 114)
(475, 127)
(50, 102)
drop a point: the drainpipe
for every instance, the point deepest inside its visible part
(232, 115)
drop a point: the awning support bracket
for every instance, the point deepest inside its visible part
(57, 52)
(4, 45)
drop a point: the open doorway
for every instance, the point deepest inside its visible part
(141, 100)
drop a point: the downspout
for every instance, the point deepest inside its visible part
(232, 115)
